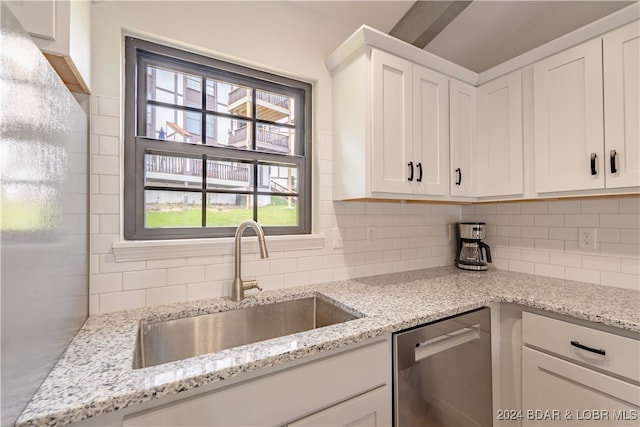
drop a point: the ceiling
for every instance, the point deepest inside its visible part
(478, 34)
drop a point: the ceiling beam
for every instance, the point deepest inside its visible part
(425, 20)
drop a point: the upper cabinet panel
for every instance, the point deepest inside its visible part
(621, 52)
(568, 120)
(500, 159)
(463, 117)
(62, 31)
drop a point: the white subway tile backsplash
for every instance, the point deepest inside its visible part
(549, 245)
(108, 107)
(621, 280)
(629, 205)
(548, 220)
(108, 224)
(521, 267)
(536, 256)
(630, 236)
(109, 184)
(601, 263)
(620, 249)
(508, 208)
(166, 295)
(104, 204)
(105, 125)
(534, 208)
(121, 301)
(196, 291)
(564, 207)
(521, 220)
(104, 283)
(549, 270)
(569, 260)
(563, 233)
(582, 275)
(630, 266)
(619, 221)
(586, 220)
(144, 279)
(108, 145)
(535, 232)
(185, 275)
(599, 206)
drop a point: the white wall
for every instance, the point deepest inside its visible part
(274, 36)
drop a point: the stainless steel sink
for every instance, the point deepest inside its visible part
(171, 340)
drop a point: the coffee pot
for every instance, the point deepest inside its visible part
(472, 251)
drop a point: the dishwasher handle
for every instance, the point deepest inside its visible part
(445, 342)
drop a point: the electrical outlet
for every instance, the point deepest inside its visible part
(587, 238)
(371, 236)
(337, 238)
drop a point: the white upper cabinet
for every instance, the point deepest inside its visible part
(392, 150)
(462, 144)
(499, 160)
(391, 129)
(410, 128)
(62, 31)
(621, 56)
(568, 120)
(431, 131)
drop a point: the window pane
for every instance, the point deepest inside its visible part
(274, 107)
(277, 178)
(234, 133)
(224, 97)
(224, 210)
(277, 210)
(173, 125)
(174, 87)
(171, 171)
(172, 209)
(224, 175)
(275, 139)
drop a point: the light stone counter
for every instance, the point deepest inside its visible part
(95, 376)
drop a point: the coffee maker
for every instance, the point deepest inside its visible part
(472, 251)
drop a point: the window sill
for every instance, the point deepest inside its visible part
(167, 249)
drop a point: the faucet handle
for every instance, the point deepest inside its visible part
(251, 284)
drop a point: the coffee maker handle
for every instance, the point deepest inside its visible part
(487, 251)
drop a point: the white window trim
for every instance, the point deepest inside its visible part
(143, 250)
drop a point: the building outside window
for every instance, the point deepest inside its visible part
(198, 163)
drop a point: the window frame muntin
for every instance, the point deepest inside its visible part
(135, 147)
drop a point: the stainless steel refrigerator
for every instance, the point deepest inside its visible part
(44, 216)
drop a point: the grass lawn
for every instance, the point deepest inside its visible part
(273, 214)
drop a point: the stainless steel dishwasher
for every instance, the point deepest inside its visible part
(442, 373)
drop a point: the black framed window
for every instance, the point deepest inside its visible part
(209, 144)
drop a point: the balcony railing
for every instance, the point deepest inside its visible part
(271, 98)
(266, 139)
(192, 167)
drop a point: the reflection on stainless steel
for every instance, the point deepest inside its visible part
(171, 340)
(44, 216)
(442, 373)
(238, 286)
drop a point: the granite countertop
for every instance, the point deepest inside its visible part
(95, 374)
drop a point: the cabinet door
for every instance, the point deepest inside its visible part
(500, 163)
(621, 53)
(568, 120)
(566, 394)
(462, 131)
(393, 165)
(371, 409)
(431, 131)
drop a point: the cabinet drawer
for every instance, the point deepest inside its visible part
(603, 350)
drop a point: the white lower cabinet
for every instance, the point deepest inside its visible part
(561, 393)
(369, 409)
(575, 375)
(350, 386)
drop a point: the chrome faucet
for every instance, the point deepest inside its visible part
(239, 286)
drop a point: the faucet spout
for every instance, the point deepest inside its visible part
(238, 286)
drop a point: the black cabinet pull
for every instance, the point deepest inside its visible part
(594, 170)
(592, 350)
(459, 180)
(410, 164)
(419, 172)
(612, 158)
